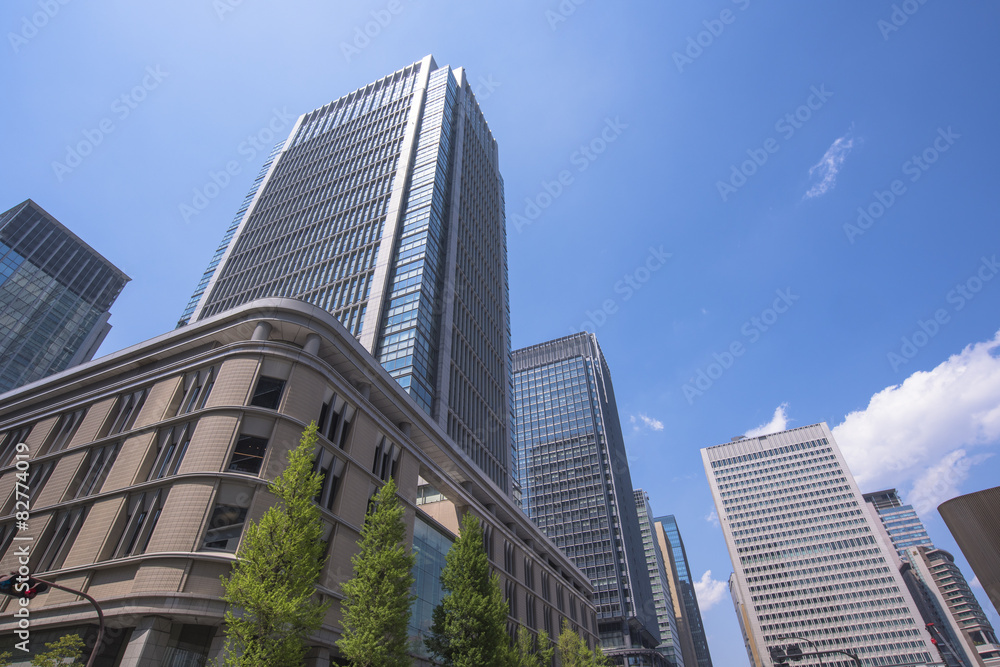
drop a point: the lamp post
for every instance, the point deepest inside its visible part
(100, 616)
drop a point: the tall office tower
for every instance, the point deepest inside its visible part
(901, 522)
(659, 581)
(684, 642)
(55, 296)
(938, 587)
(385, 207)
(808, 560)
(974, 521)
(576, 486)
(692, 612)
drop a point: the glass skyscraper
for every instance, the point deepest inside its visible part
(689, 598)
(809, 561)
(386, 208)
(576, 486)
(658, 579)
(55, 296)
(901, 522)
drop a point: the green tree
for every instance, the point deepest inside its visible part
(270, 592)
(67, 647)
(377, 599)
(469, 626)
(531, 653)
(573, 650)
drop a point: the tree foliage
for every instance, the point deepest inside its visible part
(377, 599)
(469, 626)
(57, 653)
(573, 650)
(272, 610)
(529, 652)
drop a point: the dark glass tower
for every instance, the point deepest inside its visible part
(670, 645)
(690, 599)
(385, 207)
(55, 296)
(576, 486)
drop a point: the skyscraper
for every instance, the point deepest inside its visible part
(576, 486)
(808, 561)
(975, 523)
(689, 599)
(55, 296)
(385, 207)
(659, 581)
(938, 587)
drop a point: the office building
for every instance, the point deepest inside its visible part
(809, 562)
(937, 585)
(974, 521)
(145, 466)
(901, 522)
(702, 657)
(385, 208)
(575, 484)
(659, 581)
(55, 296)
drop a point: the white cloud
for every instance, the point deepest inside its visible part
(779, 422)
(712, 517)
(923, 432)
(829, 166)
(709, 591)
(649, 422)
(975, 582)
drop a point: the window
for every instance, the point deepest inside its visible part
(197, 386)
(508, 558)
(172, 444)
(335, 419)
(487, 539)
(331, 470)
(386, 462)
(95, 469)
(225, 526)
(529, 574)
(529, 612)
(267, 394)
(10, 442)
(143, 513)
(559, 597)
(126, 410)
(547, 620)
(64, 431)
(545, 587)
(38, 476)
(66, 525)
(510, 590)
(248, 456)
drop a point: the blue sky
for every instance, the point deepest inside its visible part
(682, 178)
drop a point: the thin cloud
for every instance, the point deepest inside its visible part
(710, 592)
(648, 422)
(930, 431)
(829, 166)
(713, 518)
(779, 422)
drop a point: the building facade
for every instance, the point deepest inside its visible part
(386, 208)
(975, 523)
(698, 652)
(938, 587)
(576, 486)
(144, 467)
(55, 296)
(660, 583)
(809, 564)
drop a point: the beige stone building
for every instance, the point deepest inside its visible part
(146, 465)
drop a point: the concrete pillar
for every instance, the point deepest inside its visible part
(312, 344)
(318, 656)
(262, 332)
(148, 643)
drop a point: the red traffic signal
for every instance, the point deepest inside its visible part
(28, 588)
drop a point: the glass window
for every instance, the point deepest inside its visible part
(95, 469)
(10, 443)
(64, 431)
(126, 410)
(66, 525)
(143, 514)
(248, 456)
(172, 444)
(225, 526)
(197, 386)
(331, 470)
(386, 461)
(267, 394)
